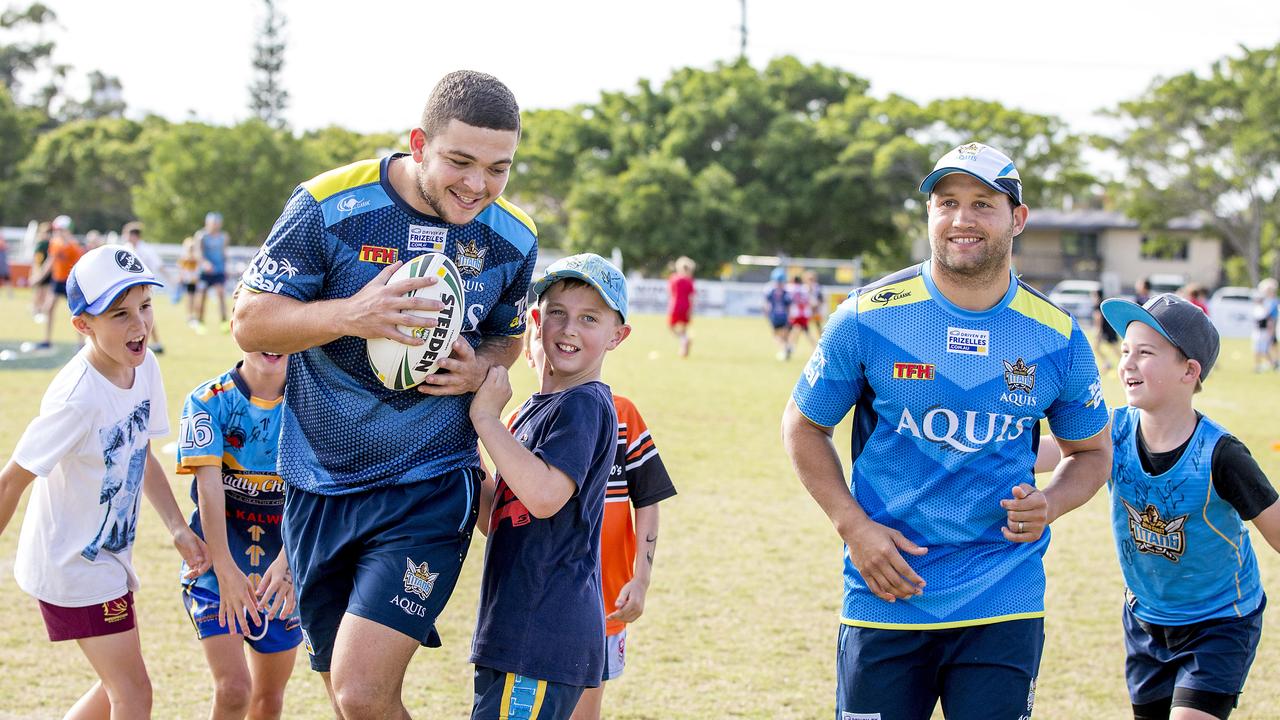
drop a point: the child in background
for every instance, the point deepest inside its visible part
(680, 308)
(188, 276)
(539, 640)
(89, 452)
(817, 300)
(638, 478)
(799, 314)
(229, 433)
(777, 309)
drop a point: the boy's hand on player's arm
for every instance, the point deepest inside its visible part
(14, 480)
(275, 590)
(491, 397)
(630, 602)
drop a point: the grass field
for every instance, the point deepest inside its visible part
(742, 616)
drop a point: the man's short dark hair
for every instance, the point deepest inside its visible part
(475, 98)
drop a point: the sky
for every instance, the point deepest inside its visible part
(369, 65)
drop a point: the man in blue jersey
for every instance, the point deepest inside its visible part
(951, 365)
(382, 485)
(211, 242)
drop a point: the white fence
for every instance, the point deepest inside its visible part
(713, 298)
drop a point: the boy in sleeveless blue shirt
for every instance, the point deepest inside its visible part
(539, 639)
(1181, 489)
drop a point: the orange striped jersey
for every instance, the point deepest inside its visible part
(638, 479)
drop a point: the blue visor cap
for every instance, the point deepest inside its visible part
(594, 270)
(983, 162)
(1180, 322)
(101, 274)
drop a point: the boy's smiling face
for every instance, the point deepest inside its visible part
(1153, 372)
(119, 335)
(576, 328)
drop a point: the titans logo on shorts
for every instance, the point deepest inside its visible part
(948, 409)
(224, 426)
(343, 431)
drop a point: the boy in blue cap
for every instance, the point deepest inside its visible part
(539, 639)
(1182, 488)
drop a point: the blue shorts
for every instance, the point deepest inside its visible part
(1212, 656)
(508, 696)
(60, 288)
(390, 554)
(980, 672)
(779, 322)
(202, 607)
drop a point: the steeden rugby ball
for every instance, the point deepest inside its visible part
(399, 366)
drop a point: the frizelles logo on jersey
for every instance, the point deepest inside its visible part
(1155, 535)
(968, 342)
(967, 431)
(129, 262)
(426, 238)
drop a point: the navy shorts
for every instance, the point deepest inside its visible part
(1211, 656)
(508, 696)
(779, 322)
(275, 636)
(59, 288)
(980, 672)
(390, 554)
(209, 279)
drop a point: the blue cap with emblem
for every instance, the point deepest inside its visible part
(101, 274)
(594, 270)
(983, 162)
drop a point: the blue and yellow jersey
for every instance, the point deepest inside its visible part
(224, 426)
(948, 404)
(1183, 549)
(343, 431)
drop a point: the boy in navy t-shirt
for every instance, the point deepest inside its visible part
(539, 638)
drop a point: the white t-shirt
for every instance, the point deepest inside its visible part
(89, 448)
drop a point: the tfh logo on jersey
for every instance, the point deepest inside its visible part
(970, 434)
(426, 238)
(418, 579)
(1155, 535)
(380, 255)
(968, 342)
(912, 371)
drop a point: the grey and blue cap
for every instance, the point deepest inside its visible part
(983, 162)
(1179, 321)
(594, 270)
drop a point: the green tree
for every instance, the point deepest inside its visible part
(86, 169)
(332, 147)
(1206, 146)
(267, 95)
(246, 172)
(105, 100)
(17, 136)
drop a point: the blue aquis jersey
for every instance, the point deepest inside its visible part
(224, 426)
(1184, 551)
(948, 405)
(343, 431)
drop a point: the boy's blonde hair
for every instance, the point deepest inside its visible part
(685, 265)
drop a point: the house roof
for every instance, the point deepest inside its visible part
(1096, 220)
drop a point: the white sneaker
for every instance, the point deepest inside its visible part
(40, 318)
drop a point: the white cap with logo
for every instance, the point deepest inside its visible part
(101, 274)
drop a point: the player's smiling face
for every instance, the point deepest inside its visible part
(463, 169)
(972, 226)
(120, 333)
(577, 328)
(1152, 371)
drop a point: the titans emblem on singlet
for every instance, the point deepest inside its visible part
(1155, 535)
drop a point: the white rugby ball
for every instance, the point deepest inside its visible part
(399, 366)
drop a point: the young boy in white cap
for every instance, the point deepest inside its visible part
(540, 637)
(89, 453)
(1182, 488)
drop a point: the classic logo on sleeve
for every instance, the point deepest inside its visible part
(968, 342)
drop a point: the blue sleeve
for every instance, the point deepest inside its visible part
(581, 417)
(200, 432)
(507, 316)
(297, 254)
(832, 379)
(1079, 411)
